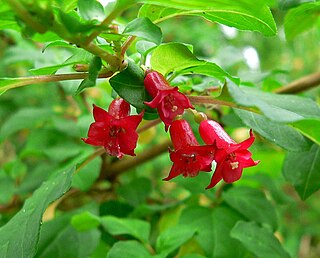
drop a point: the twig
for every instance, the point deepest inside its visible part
(148, 125)
(302, 84)
(126, 163)
(126, 45)
(98, 152)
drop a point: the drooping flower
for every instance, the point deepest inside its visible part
(168, 100)
(114, 129)
(188, 157)
(231, 157)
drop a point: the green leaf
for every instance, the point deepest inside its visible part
(91, 9)
(173, 238)
(94, 69)
(73, 23)
(213, 227)
(302, 169)
(309, 128)
(131, 248)
(145, 29)
(252, 204)
(29, 117)
(58, 239)
(283, 135)
(280, 108)
(133, 194)
(129, 86)
(177, 58)
(19, 237)
(85, 221)
(258, 240)
(134, 227)
(243, 15)
(301, 19)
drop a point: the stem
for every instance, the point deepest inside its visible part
(23, 81)
(126, 45)
(98, 152)
(197, 100)
(114, 13)
(123, 165)
(148, 125)
(302, 84)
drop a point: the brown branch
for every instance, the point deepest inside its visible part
(126, 163)
(302, 84)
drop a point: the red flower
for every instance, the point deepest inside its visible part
(188, 157)
(168, 100)
(115, 130)
(231, 157)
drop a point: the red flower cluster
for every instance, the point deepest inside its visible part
(189, 158)
(115, 130)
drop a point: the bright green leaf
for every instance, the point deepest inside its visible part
(131, 248)
(252, 204)
(173, 238)
(85, 221)
(177, 58)
(244, 15)
(309, 128)
(118, 226)
(145, 29)
(302, 169)
(258, 240)
(91, 9)
(19, 237)
(301, 19)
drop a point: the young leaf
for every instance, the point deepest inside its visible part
(309, 128)
(118, 226)
(301, 19)
(252, 204)
(302, 169)
(85, 221)
(145, 29)
(91, 9)
(177, 58)
(131, 248)
(258, 240)
(19, 237)
(94, 69)
(283, 135)
(244, 15)
(173, 238)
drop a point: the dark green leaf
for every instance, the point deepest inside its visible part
(258, 240)
(132, 249)
(173, 238)
(19, 237)
(302, 169)
(134, 227)
(213, 228)
(25, 118)
(133, 194)
(301, 19)
(58, 239)
(91, 9)
(94, 69)
(244, 15)
(73, 23)
(252, 204)
(129, 85)
(145, 29)
(283, 135)
(177, 58)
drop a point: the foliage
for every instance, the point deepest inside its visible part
(245, 64)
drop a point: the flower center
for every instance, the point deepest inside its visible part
(234, 165)
(170, 103)
(115, 130)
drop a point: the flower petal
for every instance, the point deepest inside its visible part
(182, 135)
(100, 115)
(119, 108)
